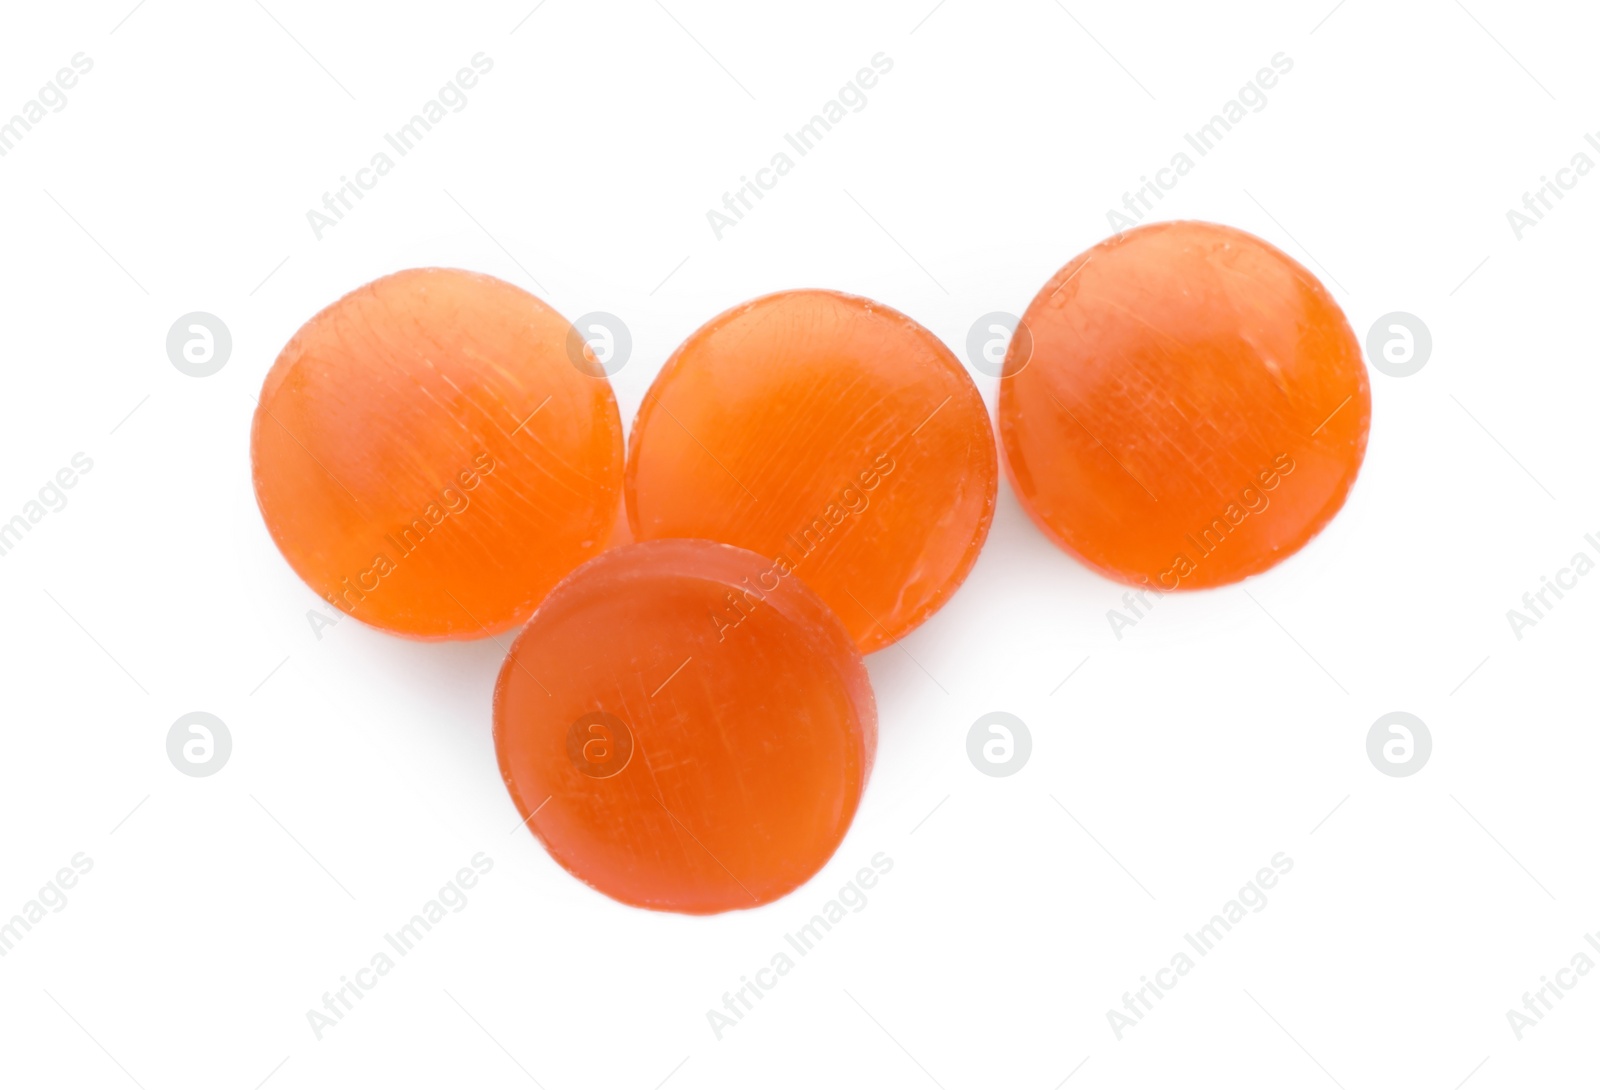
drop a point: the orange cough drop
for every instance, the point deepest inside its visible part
(1194, 409)
(685, 728)
(832, 435)
(430, 459)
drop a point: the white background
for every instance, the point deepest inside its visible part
(1170, 767)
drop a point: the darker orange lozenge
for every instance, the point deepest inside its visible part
(429, 457)
(832, 435)
(1194, 409)
(684, 728)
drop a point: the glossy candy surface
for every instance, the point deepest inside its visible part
(1189, 407)
(429, 457)
(685, 728)
(829, 433)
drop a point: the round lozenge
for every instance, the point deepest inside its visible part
(685, 728)
(831, 434)
(1193, 408)
(428, 458)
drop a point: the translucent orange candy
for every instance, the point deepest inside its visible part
(685, 728)
(832, 435)
(1188, 406)
(430, 458)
